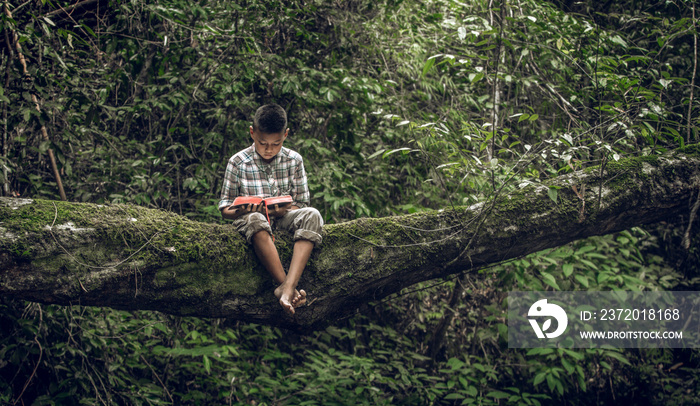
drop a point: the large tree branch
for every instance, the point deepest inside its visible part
(130, 257)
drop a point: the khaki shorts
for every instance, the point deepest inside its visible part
(305, 224)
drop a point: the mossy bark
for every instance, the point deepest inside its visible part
(130, 257)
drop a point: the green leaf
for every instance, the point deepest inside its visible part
(551, 382)
(393, 151)
(475, 77)
(568, 366)
(89, 30)
(498, 394)
(574, 354)
(617, 40)
(589, 264)
(455, 363)
(567, 269)
(617, 356)
(549, 280)
(462, 33)
(428, 64)
(585, 249)
(540, 351)
(381, 151)
(539, 378)
(207, 363)
(583, 279)
(553, 193)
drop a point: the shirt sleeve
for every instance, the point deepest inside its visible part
(300, 187)
(231, 187)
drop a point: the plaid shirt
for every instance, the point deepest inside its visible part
(247, 175)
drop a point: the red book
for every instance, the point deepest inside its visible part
(270, 201)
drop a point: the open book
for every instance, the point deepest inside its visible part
(241, 201)
(270, 201)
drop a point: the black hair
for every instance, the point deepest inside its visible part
(270, 119)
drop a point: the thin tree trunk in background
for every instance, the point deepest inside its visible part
(692, 81)
(5, 135)
(35, 100)
(438, 339)
(496, 91)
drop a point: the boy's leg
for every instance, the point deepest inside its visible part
(306, 224)
(267, 254)
(257, 231)
(289, 297)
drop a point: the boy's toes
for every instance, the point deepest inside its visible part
(299, 298)
(288, 307)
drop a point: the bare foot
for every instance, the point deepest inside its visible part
(299, 298)
(290, 299)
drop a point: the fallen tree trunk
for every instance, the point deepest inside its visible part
(129, 257)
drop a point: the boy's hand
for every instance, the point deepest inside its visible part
(277, 210)
(250, 208)
(233, 213)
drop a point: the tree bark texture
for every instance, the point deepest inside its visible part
(134, 258)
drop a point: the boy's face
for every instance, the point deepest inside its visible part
(268, 145)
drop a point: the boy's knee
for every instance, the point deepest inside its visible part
(314, 214)
(310, 225)
(255, 223)
(256, 217)
(309, 218)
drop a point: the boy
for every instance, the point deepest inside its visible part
(268, 169)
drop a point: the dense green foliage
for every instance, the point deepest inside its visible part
(396, 106)
(98, 356)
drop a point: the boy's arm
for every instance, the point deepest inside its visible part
(300, 188)
(229, 191)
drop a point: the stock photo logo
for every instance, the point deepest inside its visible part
(541, 309)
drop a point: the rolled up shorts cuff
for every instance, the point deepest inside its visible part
(254, 226)
(312, 236)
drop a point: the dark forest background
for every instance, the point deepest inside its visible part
(397, 107)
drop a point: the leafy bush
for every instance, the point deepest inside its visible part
(397, 107)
